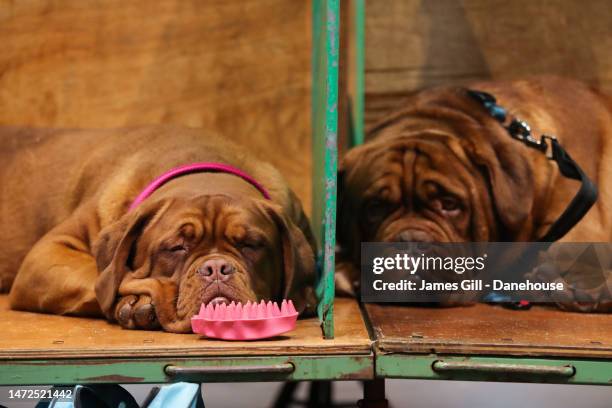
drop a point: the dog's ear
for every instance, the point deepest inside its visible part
(299, 269)
(511, 181)
(114, 249)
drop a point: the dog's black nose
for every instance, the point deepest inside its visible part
(216, 269)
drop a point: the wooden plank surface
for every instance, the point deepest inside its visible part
(412, 44)
(240, 68)
(26, 335)
(490, 330)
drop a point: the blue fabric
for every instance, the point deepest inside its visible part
(496, 297)
(179, 395)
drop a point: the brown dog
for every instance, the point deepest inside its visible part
(442, 169)
(72, 247)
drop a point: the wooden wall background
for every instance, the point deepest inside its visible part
(239, 67)
(412, 44)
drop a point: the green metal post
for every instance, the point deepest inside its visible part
(325, 43)
(358, 85)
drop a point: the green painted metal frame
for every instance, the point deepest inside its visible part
(325, 44)
(358, 80)
(418, 366)
(80, 371)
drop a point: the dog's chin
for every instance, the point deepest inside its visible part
(189, 302)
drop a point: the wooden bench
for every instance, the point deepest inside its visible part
(49, 349)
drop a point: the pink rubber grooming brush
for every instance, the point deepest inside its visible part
(245, 322)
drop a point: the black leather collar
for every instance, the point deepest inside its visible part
(548, 145)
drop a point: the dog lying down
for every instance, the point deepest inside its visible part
(448, 166)
(95, 223)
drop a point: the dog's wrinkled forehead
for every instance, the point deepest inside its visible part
(211, 217)
(389, 168)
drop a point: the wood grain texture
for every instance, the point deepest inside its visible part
(412, 44)
(241, 68)
(490, 330)
(38, 336)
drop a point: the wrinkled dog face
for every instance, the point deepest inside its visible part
(418, 192)
(211, 249)
(439, 169)
(215, 252)
(430, 187)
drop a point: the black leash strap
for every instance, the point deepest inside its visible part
(520, 130)
(582, 201)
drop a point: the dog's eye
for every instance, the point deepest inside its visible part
(178, 249)
(376, 209)
(249, 245)
(250, 250)
(448, 205)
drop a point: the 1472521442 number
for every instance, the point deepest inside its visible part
(40, 393)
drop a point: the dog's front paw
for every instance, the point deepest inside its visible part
(136, 312)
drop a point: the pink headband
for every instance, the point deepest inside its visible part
(195, 168)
